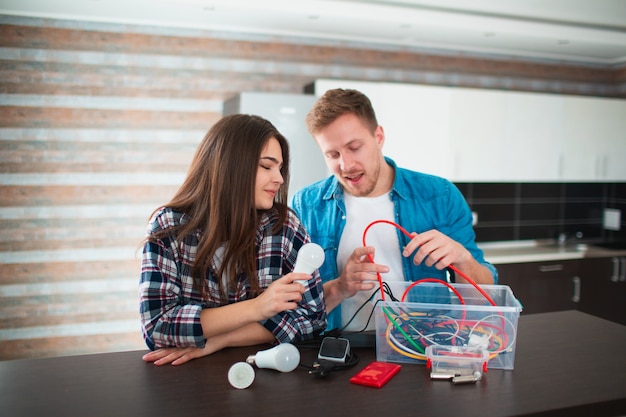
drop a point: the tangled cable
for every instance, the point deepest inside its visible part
(421, 329)
(452, 267)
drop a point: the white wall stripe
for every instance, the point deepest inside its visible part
(104, 135)
(73, 287)
(251, 65)
(74, 329)
(72, 255)
(139, 178)
(77, 212)
(128, 306)
(114, 103)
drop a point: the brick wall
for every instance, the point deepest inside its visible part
(98, 123)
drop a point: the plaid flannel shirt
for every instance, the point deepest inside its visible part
(170, 305)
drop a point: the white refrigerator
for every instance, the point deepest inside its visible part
(287, 113)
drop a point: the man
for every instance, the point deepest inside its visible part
(365, 187)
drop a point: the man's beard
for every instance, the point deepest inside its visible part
(366, 187)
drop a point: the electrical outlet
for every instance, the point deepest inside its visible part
(612, 219)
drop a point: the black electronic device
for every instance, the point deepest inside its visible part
(334, 349)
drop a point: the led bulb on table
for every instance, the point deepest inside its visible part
(284, 357)
(241, 375)
(310, 257)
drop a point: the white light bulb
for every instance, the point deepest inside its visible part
(310, 257)
(284, 357)
(241, 375)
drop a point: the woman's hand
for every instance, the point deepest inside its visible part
(281, 295)
(178, 356)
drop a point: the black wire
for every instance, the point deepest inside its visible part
(322, 368)
(387, 291)
(369, 318)
(359, 310)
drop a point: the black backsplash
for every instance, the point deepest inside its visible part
(524, 211)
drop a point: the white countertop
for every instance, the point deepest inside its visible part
(530, 251)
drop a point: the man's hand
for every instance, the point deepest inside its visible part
(359, 273)
(433, 248)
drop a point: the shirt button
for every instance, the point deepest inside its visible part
(343, 217)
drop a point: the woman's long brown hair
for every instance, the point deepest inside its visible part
(218, 196)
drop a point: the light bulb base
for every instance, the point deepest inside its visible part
(241, 375)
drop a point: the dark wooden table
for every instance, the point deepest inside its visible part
(567, 364)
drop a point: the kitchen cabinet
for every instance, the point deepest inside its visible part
(476, 131)
(416, 122)
(594, 139)
(543, 286)
(474, 135)
(596, 286)
(498, 134)
(533, 136)
(603, 288)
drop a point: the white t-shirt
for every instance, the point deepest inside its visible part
(361, 211)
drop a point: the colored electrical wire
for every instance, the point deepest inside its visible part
(498, 342)
(452, 267)
(495, 338)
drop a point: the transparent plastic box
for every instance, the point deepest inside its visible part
(456, 362)
(430, 313)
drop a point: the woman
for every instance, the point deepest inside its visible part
(218, 258)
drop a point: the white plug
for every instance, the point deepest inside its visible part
(477, 341)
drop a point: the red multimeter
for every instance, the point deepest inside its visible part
(376, 374)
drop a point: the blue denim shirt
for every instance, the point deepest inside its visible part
(421, 202)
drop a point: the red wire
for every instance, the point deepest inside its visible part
(403, 230)
(468, 279)
(435, 280)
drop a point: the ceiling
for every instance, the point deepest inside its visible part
(580, 31)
